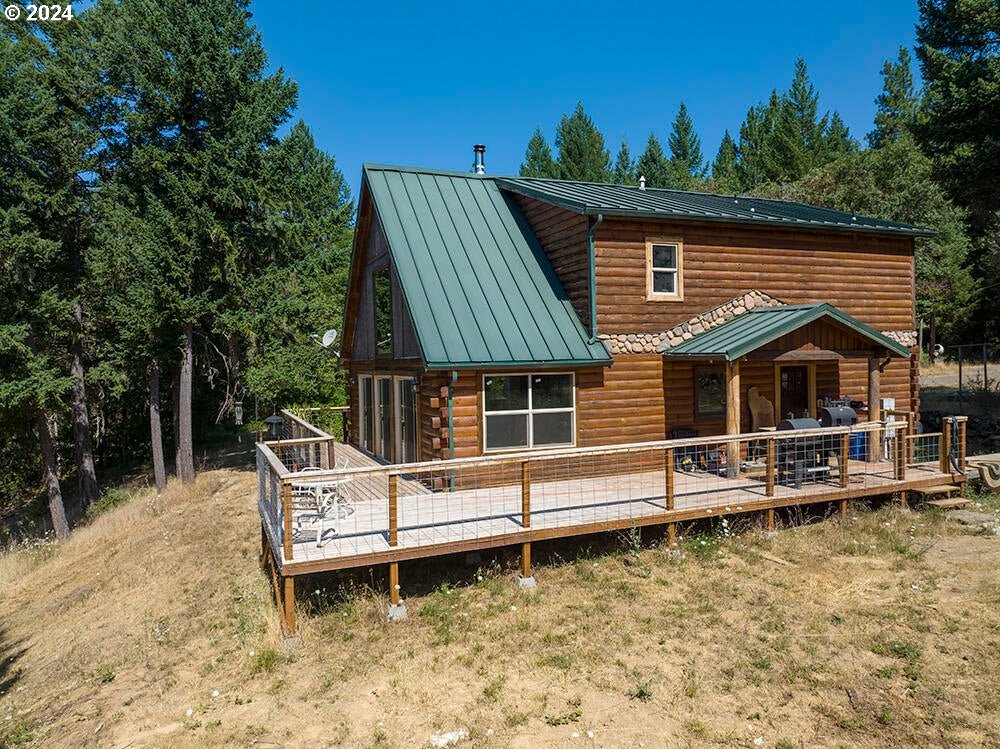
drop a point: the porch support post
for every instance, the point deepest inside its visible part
(733, 411)
(874, 410)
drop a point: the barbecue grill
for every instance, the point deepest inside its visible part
(805, 458)
(837, 416)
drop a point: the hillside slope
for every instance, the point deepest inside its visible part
(154, 627)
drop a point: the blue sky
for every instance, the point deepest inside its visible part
(418, 84)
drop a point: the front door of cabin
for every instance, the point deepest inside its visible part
(383, 416)
(406, 420)
(793, 389)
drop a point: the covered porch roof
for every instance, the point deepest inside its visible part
(754, 329)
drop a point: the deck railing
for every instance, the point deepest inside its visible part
(499, 499)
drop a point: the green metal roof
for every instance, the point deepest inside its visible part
(478, 286)
(753, 329)
(628, 200)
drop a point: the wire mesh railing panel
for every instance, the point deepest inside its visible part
(493, 500)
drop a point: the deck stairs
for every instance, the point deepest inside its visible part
(942, 496)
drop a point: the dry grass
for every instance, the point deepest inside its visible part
(882, 631)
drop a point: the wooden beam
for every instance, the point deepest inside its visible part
(393, 510)
(668, 475)
(945, 445)
(733, 411)
(770, 519)
(394, 583)
(874, 409)
(288, 605)
(526, 560)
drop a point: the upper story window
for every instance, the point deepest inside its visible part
(664, 269)
(382, 293)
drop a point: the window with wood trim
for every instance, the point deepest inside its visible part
(382, 305)
(528, 411)
(664, 269)
(709, 392)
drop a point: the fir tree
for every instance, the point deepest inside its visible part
(724, 169)
(538, 160)
(761, 153)
(583, 155)
(189, 161)
(653, 165)
(837, 139)
(34, 308)
(897, 103)
(960, 62)
(624, 170)
(686, 161)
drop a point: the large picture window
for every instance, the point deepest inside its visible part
(709, 392)
(663, 269)
(528, 411)
(382, 292)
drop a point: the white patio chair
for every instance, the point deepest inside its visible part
(315, 499)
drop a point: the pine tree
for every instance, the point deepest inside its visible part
(897, 103)
(538, 160)
(960, 62)
(686, 161)
(653, 165)
(624, 170)
(724, 169)
(583, 155)
(188, 165)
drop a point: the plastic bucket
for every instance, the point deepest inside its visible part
(858, 446)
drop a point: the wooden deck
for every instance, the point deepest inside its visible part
(433, 523)
(390, 513)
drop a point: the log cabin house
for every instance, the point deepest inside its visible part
(532, 359)
(491, 314)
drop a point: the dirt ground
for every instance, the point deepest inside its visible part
(154, 627)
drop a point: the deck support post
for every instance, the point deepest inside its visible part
(769, 522)
(526, 580)
(287, 606)
(842, 508)
(396, 610)
(668, 477)
(874, 409)
(286, 513)
(733, 411)
(393, 510)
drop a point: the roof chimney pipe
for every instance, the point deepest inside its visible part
(480, 159)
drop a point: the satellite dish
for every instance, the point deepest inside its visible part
(329, 337)
(938, 350)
